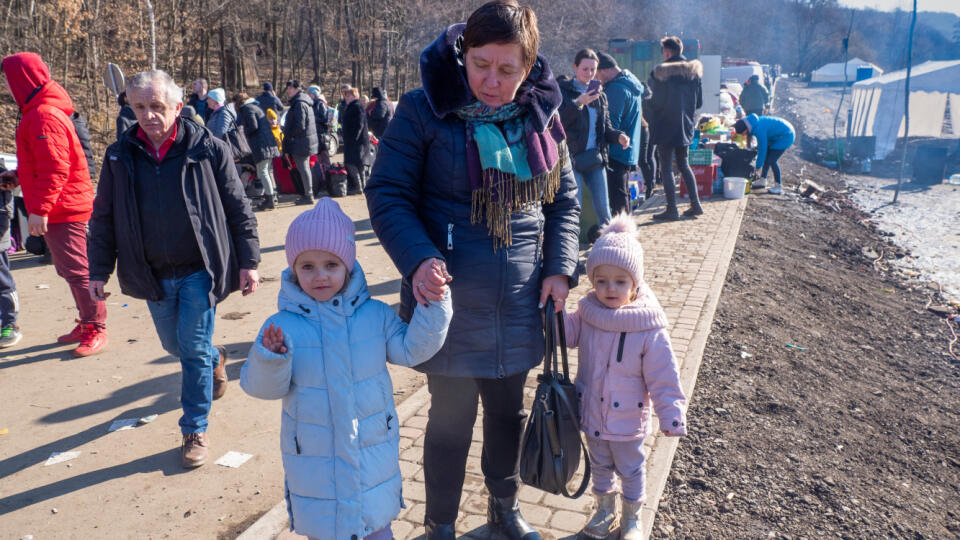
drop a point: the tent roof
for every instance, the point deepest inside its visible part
(837, 67)
(932, 76)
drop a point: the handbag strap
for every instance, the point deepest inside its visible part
(555, 336)
(623, 337)
(558, 462)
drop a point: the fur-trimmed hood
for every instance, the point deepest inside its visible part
(678, 66)
(444, 79)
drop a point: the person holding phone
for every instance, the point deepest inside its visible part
(586, 119)
(171, 215)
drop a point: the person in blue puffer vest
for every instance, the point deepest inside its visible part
(774, 135)
(325, 353)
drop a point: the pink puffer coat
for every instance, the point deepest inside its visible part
(615, 397)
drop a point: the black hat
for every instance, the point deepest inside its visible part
(740, 126)
(294, 83)
(606, 61)
(268, 86)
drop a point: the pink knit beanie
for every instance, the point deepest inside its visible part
(324, 227)
(618, 246)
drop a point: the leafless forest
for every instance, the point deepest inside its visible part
(239, 43)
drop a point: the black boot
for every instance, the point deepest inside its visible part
(670, 214)
(439, 531)
(503, 516)
(269, 202)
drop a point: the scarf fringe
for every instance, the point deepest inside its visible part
(540, 189)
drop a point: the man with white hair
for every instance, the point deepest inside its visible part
(171, 215)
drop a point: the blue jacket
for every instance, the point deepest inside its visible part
(625, 95)
(419, 198)
(772, 133)
(339, 432)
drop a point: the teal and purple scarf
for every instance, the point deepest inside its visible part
(510, 164)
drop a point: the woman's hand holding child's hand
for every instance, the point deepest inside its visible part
(430, 281)
(273, 340)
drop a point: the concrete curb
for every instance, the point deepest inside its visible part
(664, 448)
(276, 519)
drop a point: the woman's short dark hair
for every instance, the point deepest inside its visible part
(672, 43)
(239, 98)
(586, 54)
(504, 21)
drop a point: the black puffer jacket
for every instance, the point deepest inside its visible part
(677, 94)
(419, 197)
(225, 228)
(356, 138)
(300, 127)
(576, 121)
(257, 130)
(381, 113)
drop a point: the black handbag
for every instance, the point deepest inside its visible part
(237, 139)
(552, 441)
(588, 160)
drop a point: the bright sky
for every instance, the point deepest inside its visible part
(951, 6)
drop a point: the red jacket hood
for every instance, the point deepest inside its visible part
(26, 72)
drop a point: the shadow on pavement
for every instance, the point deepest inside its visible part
(167, 462)
(166, 388)
(65, 352)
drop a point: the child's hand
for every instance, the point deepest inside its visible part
(671, 433)
(273, 340)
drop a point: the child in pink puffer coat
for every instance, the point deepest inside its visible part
(626, 362)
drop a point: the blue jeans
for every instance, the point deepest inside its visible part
(596, 181)
(184, 321)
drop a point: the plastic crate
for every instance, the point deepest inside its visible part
(704, 175)
(700, 157)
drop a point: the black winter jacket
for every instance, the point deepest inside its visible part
(356, 139)
(223, 226)
(266, 100)
(300, 127)
(320, 117)
(125, 119)
(419, 198)
(677, 94)
(381, 113)
(257, 129)
(576, 121)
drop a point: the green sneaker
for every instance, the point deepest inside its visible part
(9, 336)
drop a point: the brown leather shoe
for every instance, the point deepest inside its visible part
(220, 375)
(193, 450)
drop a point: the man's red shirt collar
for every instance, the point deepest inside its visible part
(161, 152)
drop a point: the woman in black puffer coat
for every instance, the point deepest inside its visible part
(435, 209)
(262, 142)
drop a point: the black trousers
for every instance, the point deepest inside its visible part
(648, 161)
(453, 412)
(618, 187)
(356, 178)
(667, 153)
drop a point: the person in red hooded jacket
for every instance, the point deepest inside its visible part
(53, 175)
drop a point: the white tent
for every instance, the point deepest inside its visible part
(833, 73)
(878, 104)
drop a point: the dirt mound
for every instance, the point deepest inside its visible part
(827, 403)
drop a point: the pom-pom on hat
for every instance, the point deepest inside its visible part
(618, 246)
(324, 227)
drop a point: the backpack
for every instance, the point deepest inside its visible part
(80, 126)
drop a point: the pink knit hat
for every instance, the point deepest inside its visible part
(618, 246)
(324, 227)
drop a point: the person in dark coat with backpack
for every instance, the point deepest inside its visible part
(434, 207)
(677, 94)
(381, 112)
(264, 147)
(172, 218)
(357, 148)
(126, 118)
(300, 140)
(268, 99)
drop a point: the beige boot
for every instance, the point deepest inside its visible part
(604, 520)
(631, 527)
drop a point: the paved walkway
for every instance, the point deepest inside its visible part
(685, 264)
